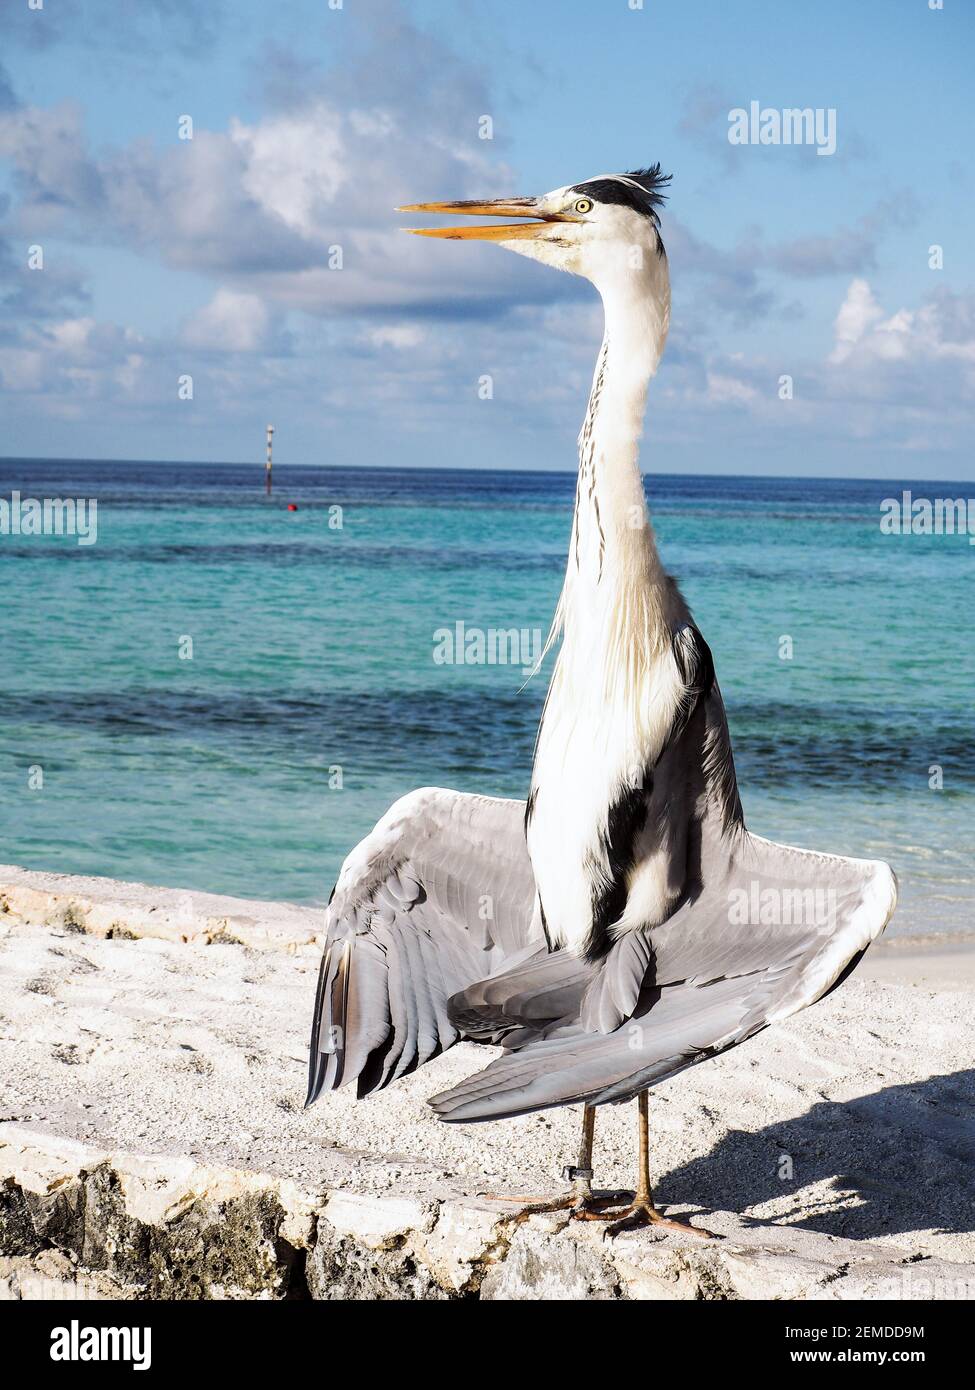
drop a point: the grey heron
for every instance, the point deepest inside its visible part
(622, 924)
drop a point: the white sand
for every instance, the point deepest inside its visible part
(922, 963)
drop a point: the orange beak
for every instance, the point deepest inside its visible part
(501, 207)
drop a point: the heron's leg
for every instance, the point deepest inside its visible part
(579, 1199)
(641, 1211)
(581, 1175)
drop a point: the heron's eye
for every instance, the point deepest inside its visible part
(583, 205)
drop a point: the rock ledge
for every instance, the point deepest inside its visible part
(82, 1222)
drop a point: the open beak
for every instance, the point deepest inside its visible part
(500, 207)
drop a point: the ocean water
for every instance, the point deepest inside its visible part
(312, 698)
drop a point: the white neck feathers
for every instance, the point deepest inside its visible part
(613, 598)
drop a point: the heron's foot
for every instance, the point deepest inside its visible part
(580, 1206)
(642, 1212)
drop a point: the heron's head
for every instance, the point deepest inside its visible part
(595, 229)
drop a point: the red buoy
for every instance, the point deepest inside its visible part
(292, 506)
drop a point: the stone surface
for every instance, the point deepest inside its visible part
(78, 1221)
(163, 1228)
(153, 1145)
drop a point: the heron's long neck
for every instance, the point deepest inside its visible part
(614, 585)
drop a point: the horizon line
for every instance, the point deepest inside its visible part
(259, 466)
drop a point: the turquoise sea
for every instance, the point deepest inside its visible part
(312, 698)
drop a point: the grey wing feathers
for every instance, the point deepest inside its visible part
(439, 895)
(528, 994)
(751, 945)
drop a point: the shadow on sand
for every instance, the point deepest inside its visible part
(906, 1152)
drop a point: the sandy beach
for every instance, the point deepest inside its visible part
(928, 962)
(176, 1032)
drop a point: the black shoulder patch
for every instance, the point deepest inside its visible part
(627, 817)
(696, 666)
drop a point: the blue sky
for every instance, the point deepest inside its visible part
(209, 257)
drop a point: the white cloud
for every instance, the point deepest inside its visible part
(232, 321)
(396, 335)
(72, 335)
(295, 166)
(858, 312)
(943, 328)
(723, 389)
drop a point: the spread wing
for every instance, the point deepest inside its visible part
(772, 930)
(439, 895)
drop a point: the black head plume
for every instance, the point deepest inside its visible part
(639, 189)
